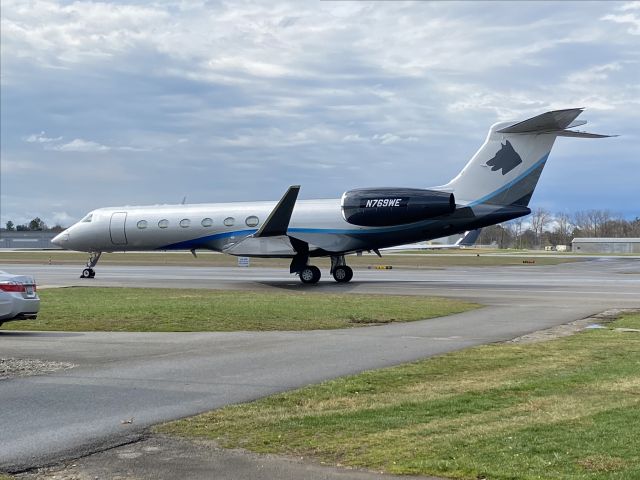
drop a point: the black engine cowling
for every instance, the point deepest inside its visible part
(381, 207)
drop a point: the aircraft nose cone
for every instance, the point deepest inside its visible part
(61, 239)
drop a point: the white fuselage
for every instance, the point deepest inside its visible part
(214, 226)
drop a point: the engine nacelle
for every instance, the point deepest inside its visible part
(381, 207)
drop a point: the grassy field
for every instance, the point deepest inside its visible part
(562, 409)
(429, 259)
(171, 310)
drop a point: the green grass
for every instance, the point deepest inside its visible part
(176, 310)
(563, 409)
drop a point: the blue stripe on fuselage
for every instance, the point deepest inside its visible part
(506, 186)
(202, 241)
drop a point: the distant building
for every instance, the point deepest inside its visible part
(27, 239)
(605, 245)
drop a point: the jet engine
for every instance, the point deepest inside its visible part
(381, 207)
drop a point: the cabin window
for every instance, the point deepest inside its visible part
(206, 222)
(229, 221)
(185, 222)
(87, 219)
(142, 224)
(252, 221)
(164, 223)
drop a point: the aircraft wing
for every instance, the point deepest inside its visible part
(278, 221)
(469, 239)
(271, 239)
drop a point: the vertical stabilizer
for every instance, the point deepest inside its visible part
(506, 168)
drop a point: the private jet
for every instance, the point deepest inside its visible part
(496, 185)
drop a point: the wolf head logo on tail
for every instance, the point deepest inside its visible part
(519, 151)
(506, 159)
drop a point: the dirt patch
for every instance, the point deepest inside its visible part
(159, 457)
(571, 328)
(24, 367)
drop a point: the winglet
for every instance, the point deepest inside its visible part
(279, 218)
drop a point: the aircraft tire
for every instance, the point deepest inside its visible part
(310, 274)
(86, 273)
(343, 274)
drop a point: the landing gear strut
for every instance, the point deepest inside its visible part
(341, 272)
(299, 263)
(89, 272)
(310, 274)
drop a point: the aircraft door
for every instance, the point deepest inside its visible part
(116, 228)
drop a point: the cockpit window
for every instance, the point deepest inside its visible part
(87, 219)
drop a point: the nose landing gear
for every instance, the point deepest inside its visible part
(89, 272)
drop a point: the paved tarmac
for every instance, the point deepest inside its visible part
(153, 377)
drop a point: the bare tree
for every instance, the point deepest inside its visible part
(563, 228)
(540, 218)
(591, 222)
(515, 228)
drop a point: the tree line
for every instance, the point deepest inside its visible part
(35, 225)
(543, 228)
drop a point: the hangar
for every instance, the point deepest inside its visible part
(605, 245)
(27, 239)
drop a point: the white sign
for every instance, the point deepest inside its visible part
(243, 261)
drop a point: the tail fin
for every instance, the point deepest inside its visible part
(506, 168)
(469, 238)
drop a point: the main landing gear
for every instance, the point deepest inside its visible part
(310, 274)
(341, 272)
(89, 272)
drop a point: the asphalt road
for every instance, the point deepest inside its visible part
(153, 377)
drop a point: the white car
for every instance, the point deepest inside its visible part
(18, 297)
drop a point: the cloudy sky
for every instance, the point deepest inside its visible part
(122, 103)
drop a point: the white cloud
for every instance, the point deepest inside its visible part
(41, 138)
(80, 145)
(61, 218)
(596, 73)
(630, 17)
(13, 165)
(388, 138)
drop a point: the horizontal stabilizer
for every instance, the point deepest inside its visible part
(278, 221)
(546, 122)
(571, 133)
